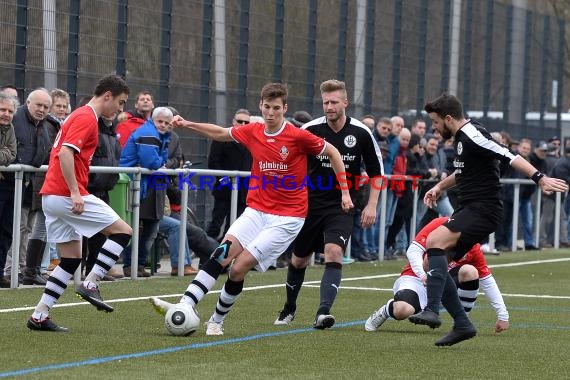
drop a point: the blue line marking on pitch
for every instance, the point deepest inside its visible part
(107, 359)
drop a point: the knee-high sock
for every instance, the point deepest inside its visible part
(202, 283)
(329, 286)
(56, 285)
(228, 296)
(467, 292)
(436, 277)
(107, 257)
(452, 304)
(295, 279)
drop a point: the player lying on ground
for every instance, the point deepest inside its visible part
(410, 294)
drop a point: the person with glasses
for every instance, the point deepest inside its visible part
(227, 156)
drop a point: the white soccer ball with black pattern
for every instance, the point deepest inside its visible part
(181, 320)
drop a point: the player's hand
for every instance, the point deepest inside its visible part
(346, 203)
(178, 121)
(550, 185)
(431, 197)
(424, 280)
(77, 203)
(368, 216)
(501, 326)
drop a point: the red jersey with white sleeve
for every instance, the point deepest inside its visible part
(417, 249)
(80, 133)
(279, 170)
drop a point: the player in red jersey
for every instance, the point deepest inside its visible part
(468, 273)
(276, 201)
(71, 212)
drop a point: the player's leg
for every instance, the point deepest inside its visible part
(477, 222)
(337, 229)
(207, 275)
(274, 236)
(309, 238)
(242, 231)
(70, 253)
(63, 226)
(462, 329)
(439, 242)
(230, 292)
(466, 279)
(409, 298)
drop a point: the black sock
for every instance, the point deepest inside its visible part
(436, 277)
(295, 279)
(451, 302)
(329, 286)
(390, 309)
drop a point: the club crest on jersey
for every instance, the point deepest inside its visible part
(350, 141)
(283, 152)
(459, 148)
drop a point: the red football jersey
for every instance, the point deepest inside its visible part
(474, 257)
(80, 133)
(279, 169)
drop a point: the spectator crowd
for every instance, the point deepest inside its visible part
(144, 137)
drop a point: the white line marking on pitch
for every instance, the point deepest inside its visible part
(312, 284)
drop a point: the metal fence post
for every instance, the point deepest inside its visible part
(19, 179)
(136, 189)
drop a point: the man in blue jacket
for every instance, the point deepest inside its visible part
(147, 147)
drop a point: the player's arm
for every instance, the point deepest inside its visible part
(338, 167)
(433, 194)
(491, 289)
(547, 184)
(212, 131)
(67, 163)
(415, 254)
(368, 214)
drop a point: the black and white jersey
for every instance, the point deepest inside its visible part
(476, 163)
(355, 144)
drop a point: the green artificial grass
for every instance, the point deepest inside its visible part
(106, 345)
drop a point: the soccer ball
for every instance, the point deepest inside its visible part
(181, 320)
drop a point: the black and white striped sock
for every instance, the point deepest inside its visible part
(228, 296)
(107, 257)
(202, 283)
(55, 286)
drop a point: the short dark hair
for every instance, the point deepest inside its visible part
(113, 83)
(273, 91)
(445, 104)
(143, 92)
(7, 86)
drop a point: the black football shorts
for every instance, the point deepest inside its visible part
(323, 228)
(475, 221)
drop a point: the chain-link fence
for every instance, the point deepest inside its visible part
(210, 57)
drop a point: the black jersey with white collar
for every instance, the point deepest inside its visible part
(355, 144)
(476, 163)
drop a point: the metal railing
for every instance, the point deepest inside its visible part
(134, 207)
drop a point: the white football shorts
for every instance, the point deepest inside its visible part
(265, 236)
(62, 225)
(412, 283)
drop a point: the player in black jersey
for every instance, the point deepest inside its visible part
(479, 210)
(327, 226)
